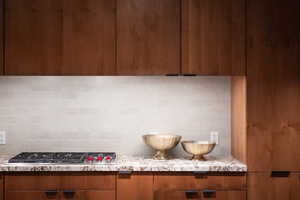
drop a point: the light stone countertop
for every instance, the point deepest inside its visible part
(132, 163)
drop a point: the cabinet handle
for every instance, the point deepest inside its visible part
(191, 192)
(200, 174)
(69, 193)
(209, 193)
(125, 174)
(51, 192)
(280, 174)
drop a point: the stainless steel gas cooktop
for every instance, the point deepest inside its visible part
(64, 157)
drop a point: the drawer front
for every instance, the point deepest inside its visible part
(199, 195)
(21, 182)
(60, 182)
(185, 182)
(90, 195)
(30, 195)
(87, 182)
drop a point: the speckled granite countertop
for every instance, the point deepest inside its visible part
(131, 163)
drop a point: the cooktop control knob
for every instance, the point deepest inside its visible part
(99, 158)
(108, 158)
(90, 158)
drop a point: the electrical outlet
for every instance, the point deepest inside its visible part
(214, 137)
(2, 137)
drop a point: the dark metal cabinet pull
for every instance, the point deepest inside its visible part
(209, 193)
(280, 174)
(191, 193)
(51, 192)
(69, 192)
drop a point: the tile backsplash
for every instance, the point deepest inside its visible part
(111, 113)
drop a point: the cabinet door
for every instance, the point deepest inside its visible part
(135, 187)
(261, 186)
(1, 188)
(89, 195)
(295, 193)
(89, 37)
(30, 195)
(33, 37)
(148, 39)
(213, 37)
(273, 85)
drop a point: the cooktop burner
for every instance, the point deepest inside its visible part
(64, 157)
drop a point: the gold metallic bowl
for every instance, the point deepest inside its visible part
(161, 143)
(198, 148)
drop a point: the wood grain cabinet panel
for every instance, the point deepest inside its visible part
(148, 38)
(33, 39)
(261, 186)
(60, 37)
(186, 195)
(273, 85)
(30, 195)
(135, 187)
(23, 182)
(89, 37)
(1, 187)
(1, 38)
(213, 37)
(88, 182)
(190, 182)
(90, 195)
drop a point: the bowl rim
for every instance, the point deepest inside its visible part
(161, 134)
(195, 142)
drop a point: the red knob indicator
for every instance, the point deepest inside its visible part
(99, 158)
(90, 158)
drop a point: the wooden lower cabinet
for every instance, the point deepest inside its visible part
(77, 195)
(66, 186)
(90, 195)
(135, 187)
(191, 186)
(190, 194)
(1, 188)
(261, 186)
(30, 195)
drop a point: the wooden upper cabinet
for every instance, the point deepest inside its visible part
(273, 86)
(213, 37)
(33, 37)
(1, 39)
(88, 37)
(60, 37)
(148, 37)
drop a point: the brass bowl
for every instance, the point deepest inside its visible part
(161, 143)
(198, 148)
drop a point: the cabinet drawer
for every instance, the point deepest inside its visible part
(60, 182)
(85, 182)
(22, 182)
(90, 195)
(186, 195)
(192, 182)
(30, 195)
